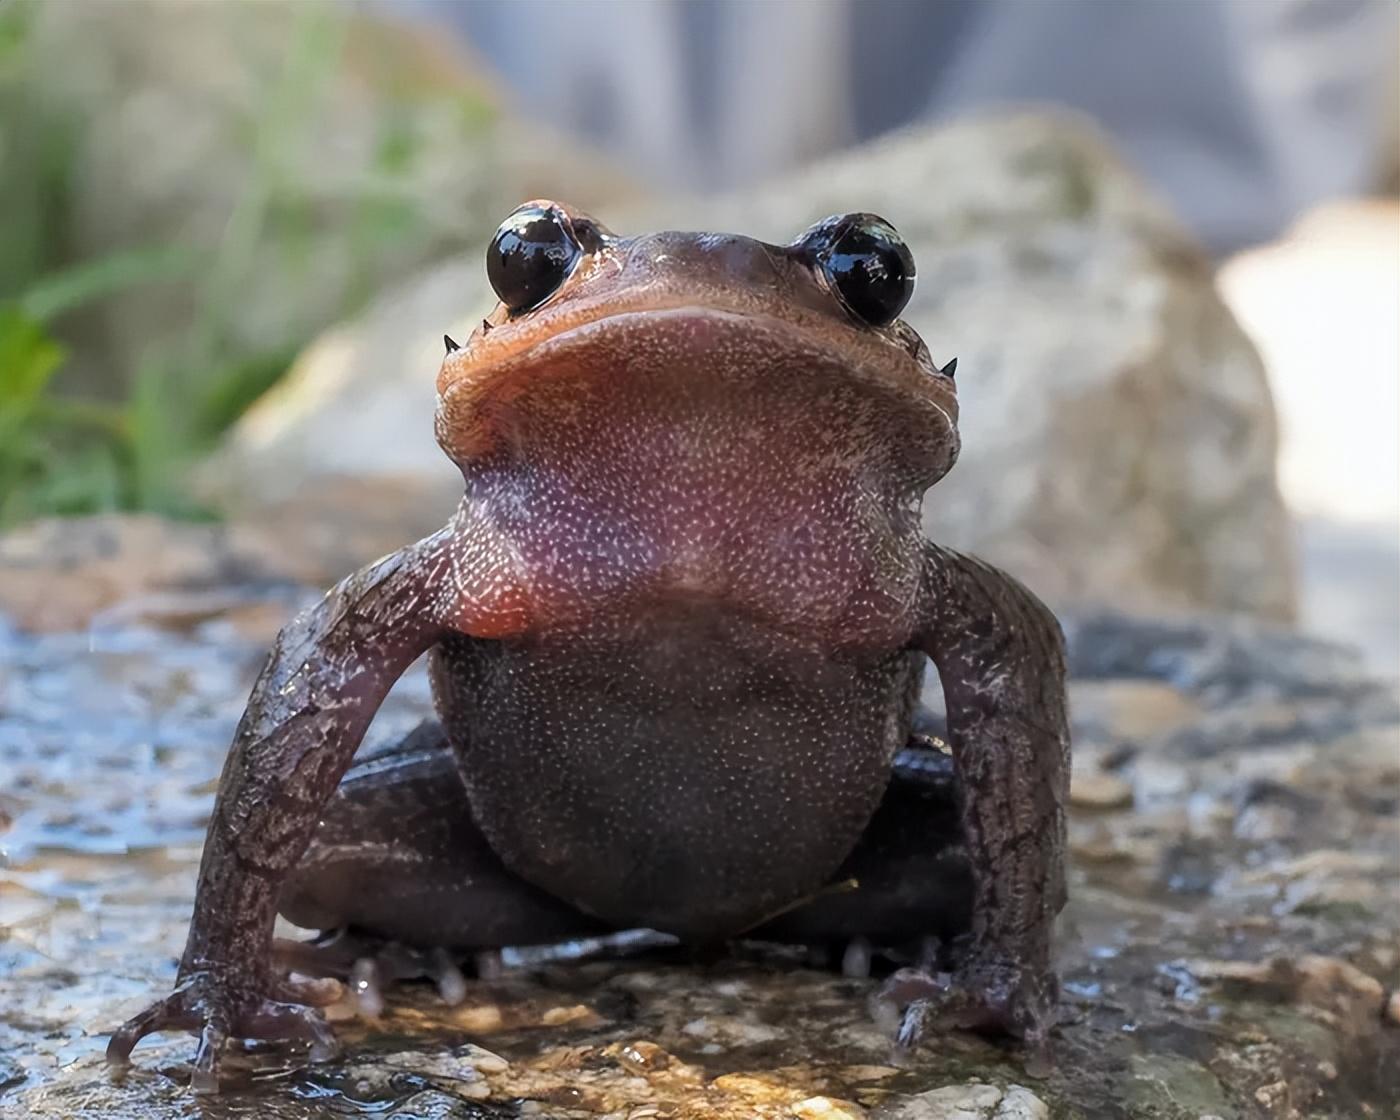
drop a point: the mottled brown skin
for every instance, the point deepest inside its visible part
(675, 632)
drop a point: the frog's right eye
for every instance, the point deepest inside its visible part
(865, 262)
(531, 256)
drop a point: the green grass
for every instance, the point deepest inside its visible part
(70, 448)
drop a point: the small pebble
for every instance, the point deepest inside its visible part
(1097, 790)
(824, 1108)
(485, 1060)
(1271, 1095)
(642, 1057)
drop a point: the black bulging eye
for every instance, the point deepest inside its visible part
(531, 255)
(866, 263)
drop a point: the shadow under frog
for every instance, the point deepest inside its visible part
(675, 631)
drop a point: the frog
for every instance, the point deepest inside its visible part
(675, 633)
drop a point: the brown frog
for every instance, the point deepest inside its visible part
(675, 632)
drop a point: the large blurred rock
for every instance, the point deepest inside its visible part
(1119, 437)
(303, 154)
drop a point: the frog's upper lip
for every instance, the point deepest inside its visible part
(494, 368)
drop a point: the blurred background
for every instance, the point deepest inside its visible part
(1162, 239)
(234, 233)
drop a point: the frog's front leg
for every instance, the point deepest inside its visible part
(1000, 657)
(327, 674)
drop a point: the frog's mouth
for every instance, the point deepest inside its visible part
(510, 392)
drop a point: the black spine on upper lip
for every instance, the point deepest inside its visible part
(447, 341)
(950, 369)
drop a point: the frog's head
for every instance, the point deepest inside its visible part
(597, 331)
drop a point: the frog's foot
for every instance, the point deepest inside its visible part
(911, 903)
(219, 1008)
(860, 958)
(992, 995)
(367, 965)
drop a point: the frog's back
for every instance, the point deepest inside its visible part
(680, 766)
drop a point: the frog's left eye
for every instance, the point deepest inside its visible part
(531, 255)
(865, 262)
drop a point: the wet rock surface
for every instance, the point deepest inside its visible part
(1230, 949)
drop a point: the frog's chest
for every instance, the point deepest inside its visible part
(786, 516)
(684, 768)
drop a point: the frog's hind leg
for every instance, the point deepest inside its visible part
(401, 874)
(906, 888)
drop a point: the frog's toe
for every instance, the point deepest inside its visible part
(313, 991)
(205, 1077)
(219, 1010)
(272, 1021)
(490, 964)
(392, 963)
(995, 997)
(166, 1014)
(447, 977)
(367, 988)
(276, 1020)
(857, 960)
(368, 966)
